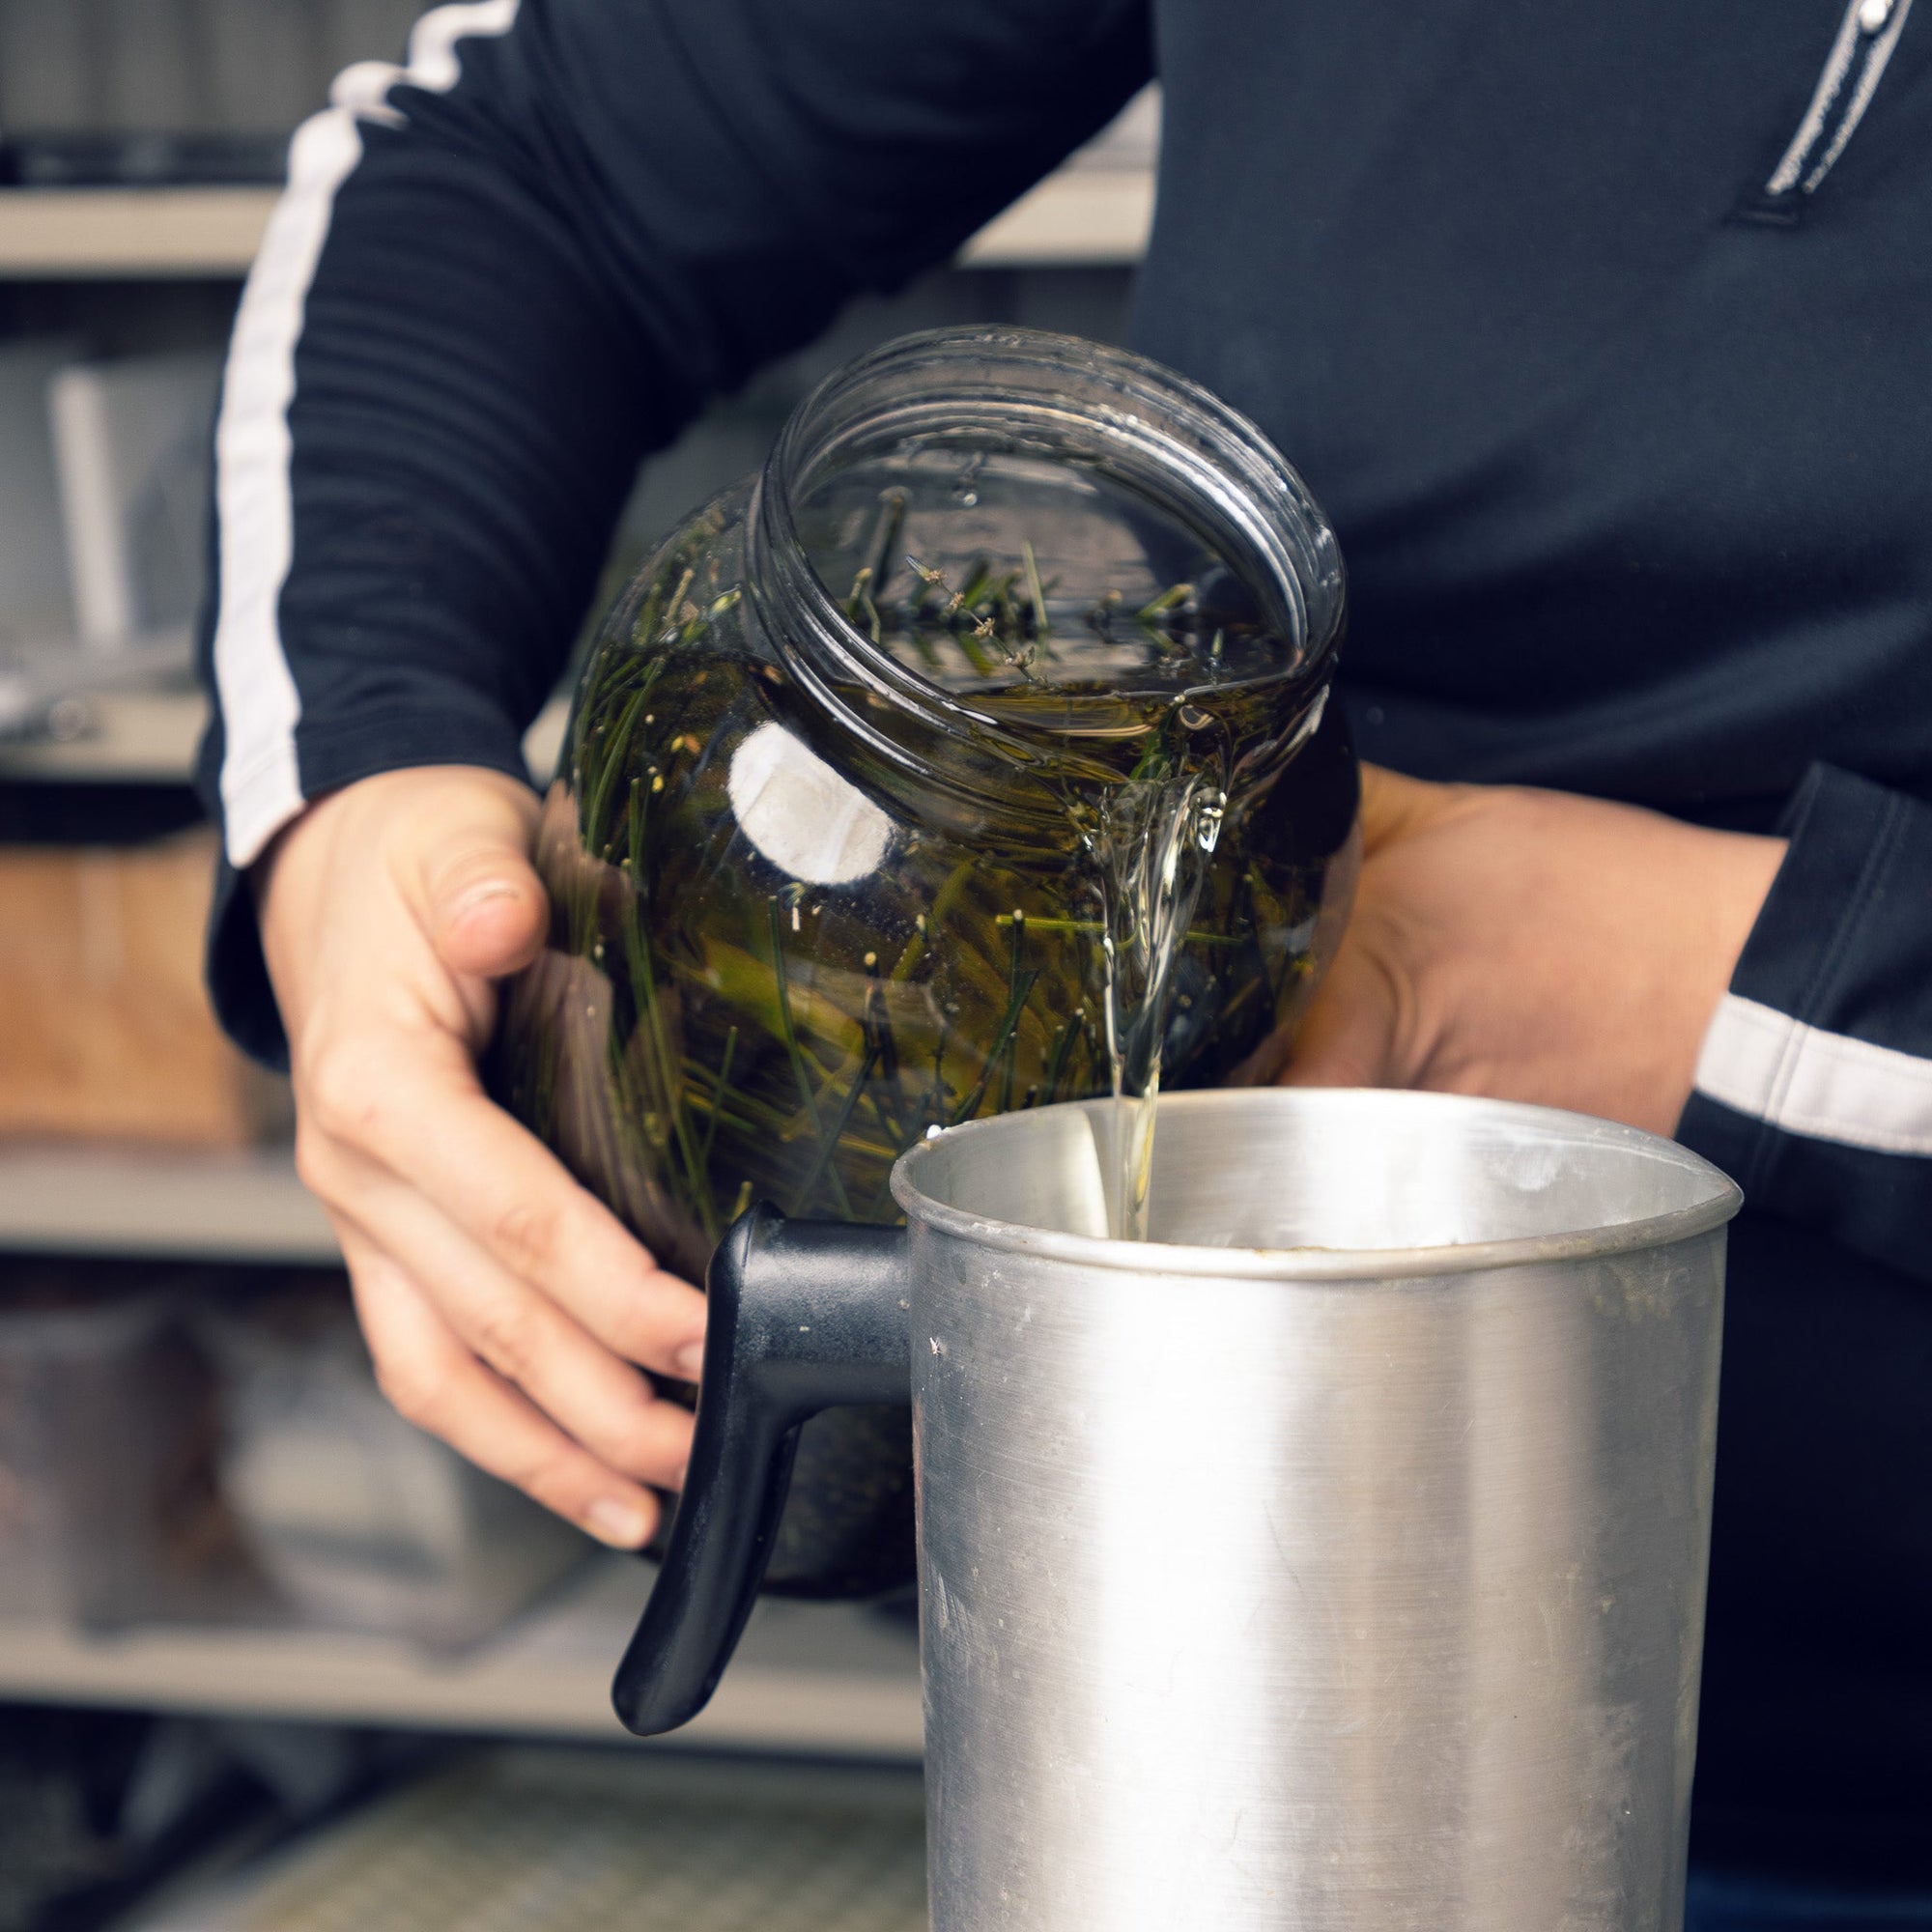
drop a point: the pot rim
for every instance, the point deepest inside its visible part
(1718, 1204)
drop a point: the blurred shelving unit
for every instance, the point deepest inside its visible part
(240, 1206)
(140, 737)
(1088, 216)
(245, 1207)
(824, 1679)
(821, 1680)
(149, 737)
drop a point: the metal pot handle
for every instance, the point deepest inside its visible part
(803, 1316)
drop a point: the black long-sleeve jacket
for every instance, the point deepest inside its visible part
(1604, 334)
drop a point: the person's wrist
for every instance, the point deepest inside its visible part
(387, 795)
(1720, 897)
(1735, 886)
(261, 873)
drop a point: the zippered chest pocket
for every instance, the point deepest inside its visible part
(1860, 54)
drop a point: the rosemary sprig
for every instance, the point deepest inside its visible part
(805, 1088)
(614, 757)
(719, 1089)
(1015, 925)
(885, 551)
(1195, 936)
(829, 1143)
(1009, 1022)
(1170, 599)
(668, 1068)
(1035, 594)
(1063, 1036)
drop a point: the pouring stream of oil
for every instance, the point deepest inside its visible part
(1152, 851)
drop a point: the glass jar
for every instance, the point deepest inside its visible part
(974, 755)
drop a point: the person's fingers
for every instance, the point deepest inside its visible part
(483, 904)
(423, 1116)
(438, 1384)
(1347, 1036)
(361, 896)
(1354, 1032)
(388, 910)
(601, 1401)
(1394, 806)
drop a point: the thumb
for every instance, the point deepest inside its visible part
(483, 906)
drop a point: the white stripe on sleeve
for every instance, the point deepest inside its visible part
(261, 789)
(1826, 1085)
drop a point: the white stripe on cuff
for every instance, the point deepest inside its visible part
(1826, 1085)
(261, 788)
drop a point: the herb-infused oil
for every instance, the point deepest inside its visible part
(973, 756)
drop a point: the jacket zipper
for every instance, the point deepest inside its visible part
(1852, 69)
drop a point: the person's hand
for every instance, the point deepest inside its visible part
(503, 1306)
(1530, 945)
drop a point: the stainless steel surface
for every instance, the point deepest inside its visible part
(1340, 1564)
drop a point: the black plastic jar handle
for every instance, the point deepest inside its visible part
(803, 1316)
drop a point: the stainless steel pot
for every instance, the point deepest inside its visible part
(1334, 1560)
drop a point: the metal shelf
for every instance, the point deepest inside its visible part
(150, 737)
(80, 1198)
(1084, 216)
(830, 1679)
(124, 738)
(83, 1199)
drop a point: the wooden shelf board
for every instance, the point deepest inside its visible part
(820, 1678)
(62, 234)
(1082, 217)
